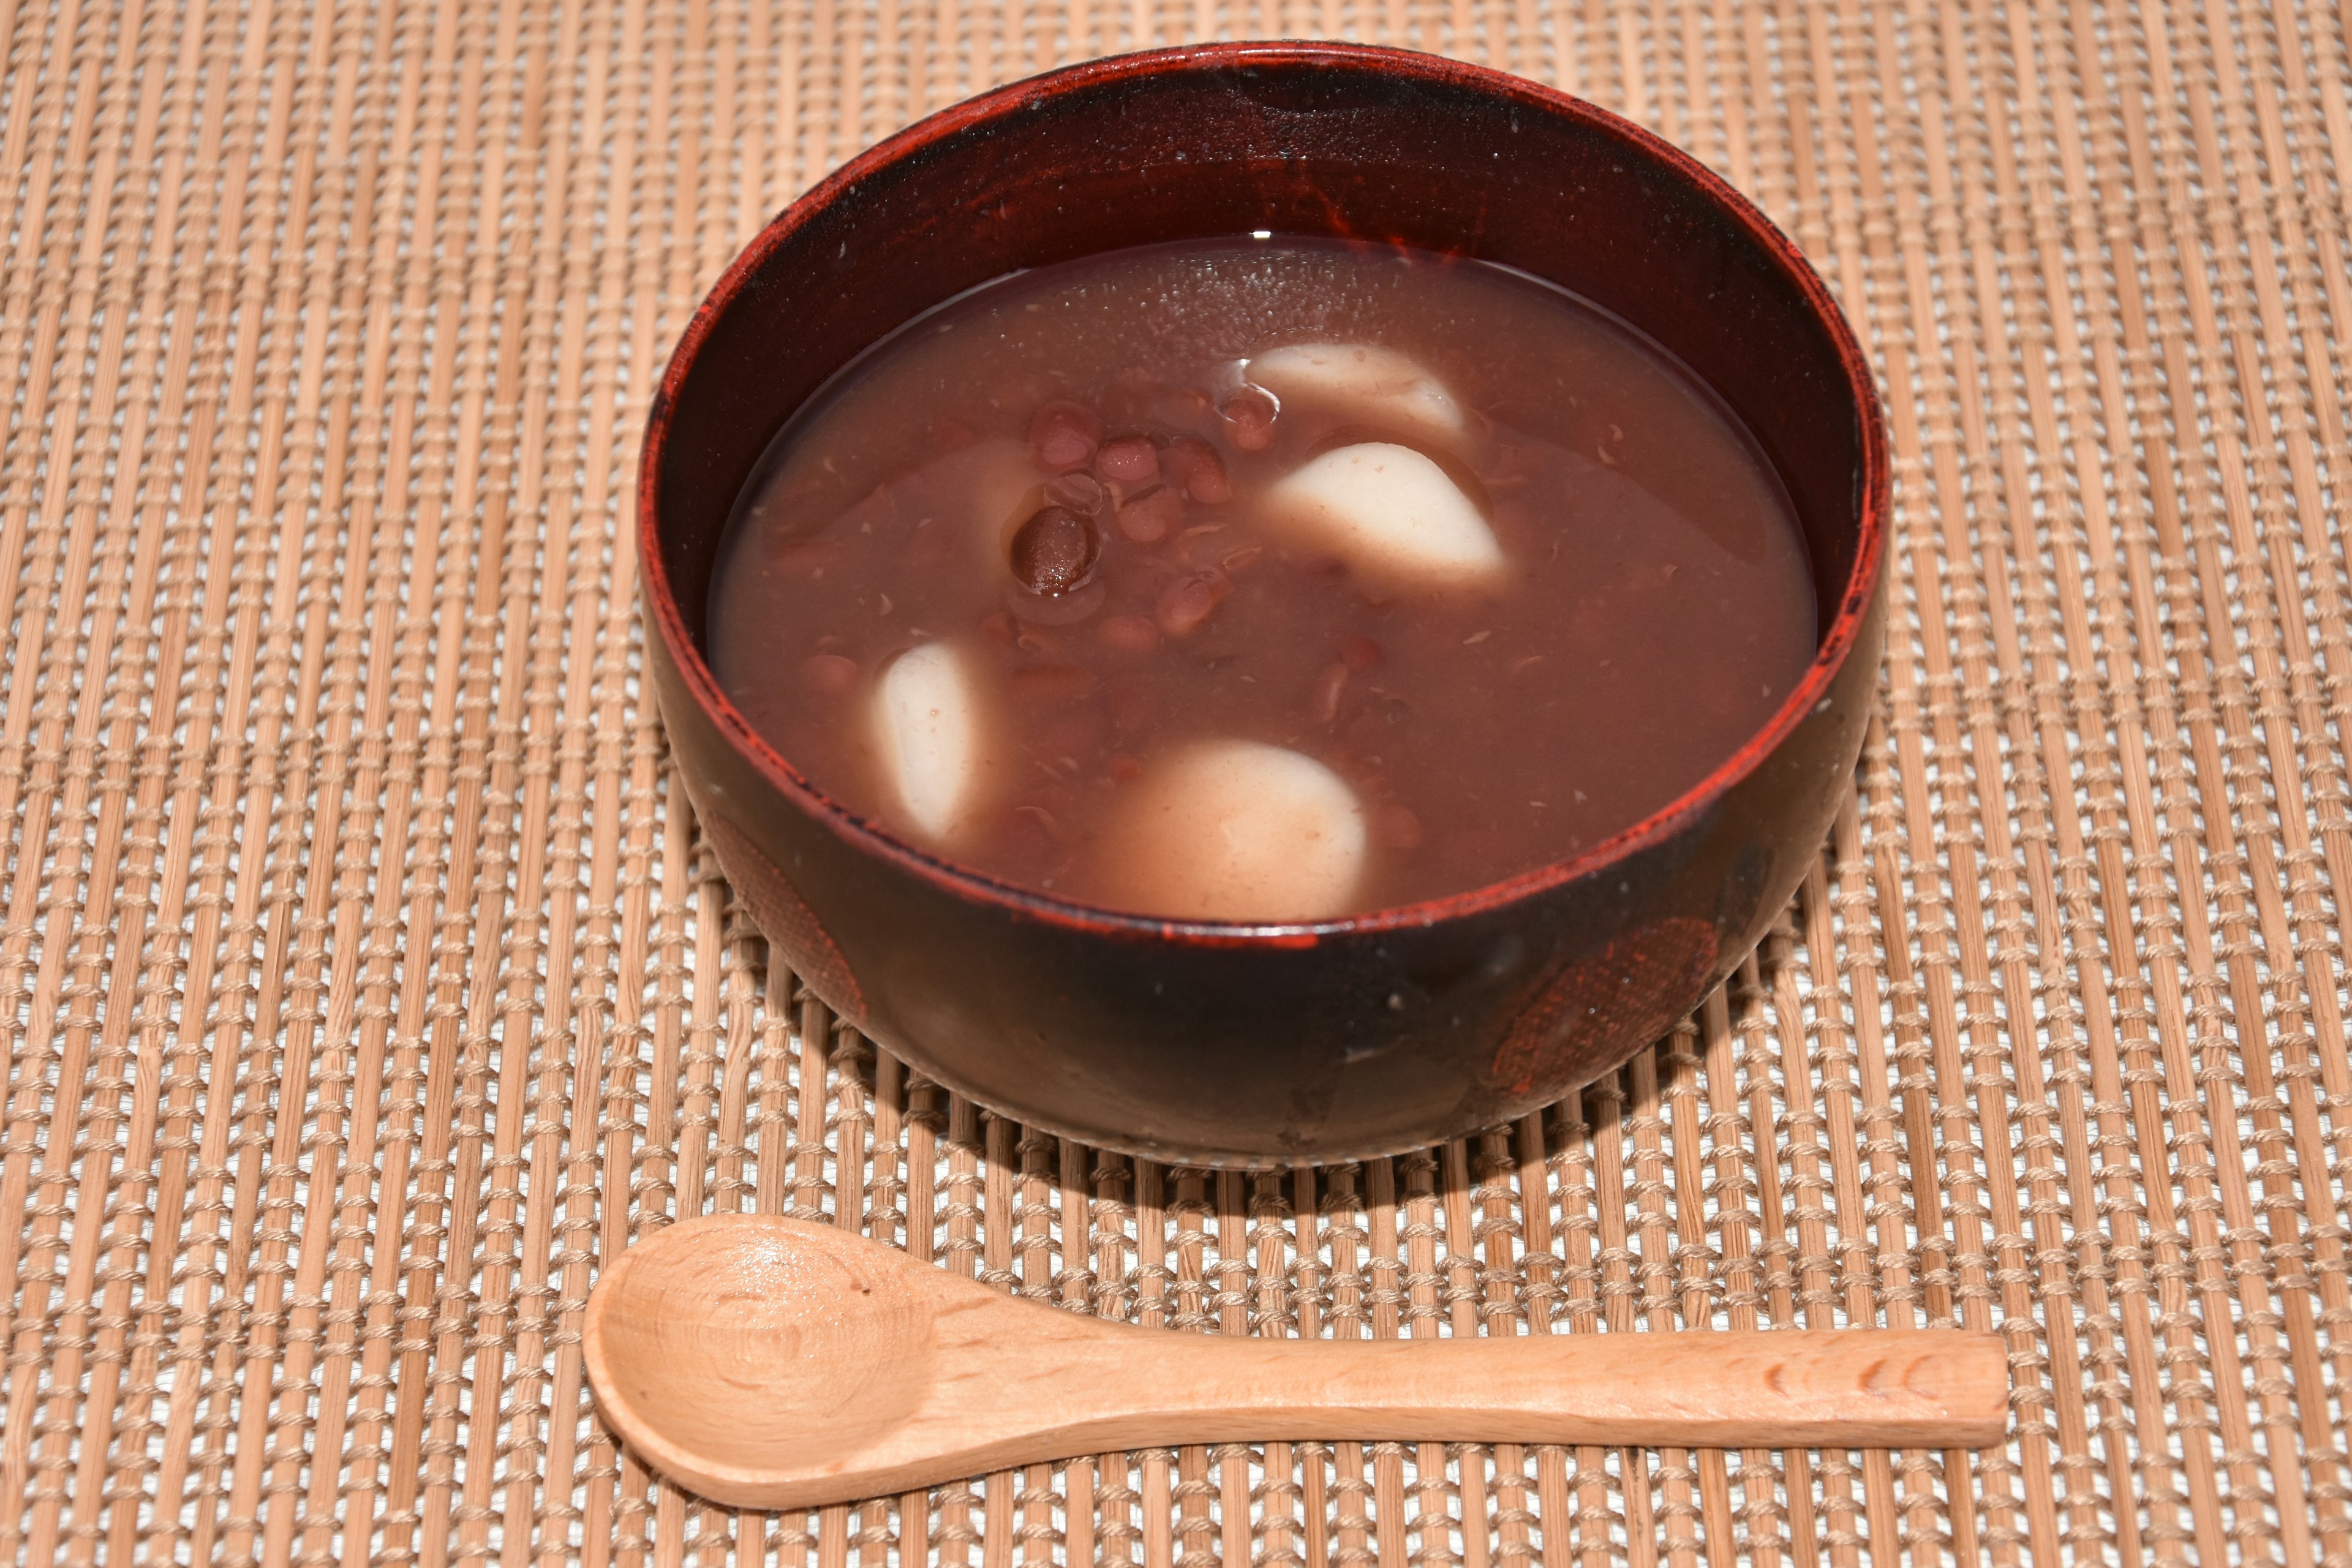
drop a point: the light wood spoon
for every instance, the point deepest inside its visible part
(772, 1362)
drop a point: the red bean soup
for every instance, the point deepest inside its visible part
(1261, 580)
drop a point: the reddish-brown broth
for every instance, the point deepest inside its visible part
(1659, 603)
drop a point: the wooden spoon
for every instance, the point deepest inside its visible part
(772, 1362)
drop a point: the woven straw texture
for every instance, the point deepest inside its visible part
(366, 985)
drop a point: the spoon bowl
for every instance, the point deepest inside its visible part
(772, 1362)
(803, 1350)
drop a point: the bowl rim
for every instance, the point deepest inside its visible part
(1835, 644)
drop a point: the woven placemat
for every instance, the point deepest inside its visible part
(366, 984)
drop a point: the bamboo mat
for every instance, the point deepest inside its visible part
(366, 985)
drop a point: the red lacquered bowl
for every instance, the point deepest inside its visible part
(1250, 1045)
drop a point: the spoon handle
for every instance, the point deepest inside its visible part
(1773, 1389)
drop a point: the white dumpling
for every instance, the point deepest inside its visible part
(1365, 384)
(1390, 513)
(931, 740)
(1237, 830)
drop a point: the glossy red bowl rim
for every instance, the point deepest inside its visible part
(1829, 654)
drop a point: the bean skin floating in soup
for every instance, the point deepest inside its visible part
(1261, 581)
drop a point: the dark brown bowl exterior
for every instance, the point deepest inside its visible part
(1238, 1045)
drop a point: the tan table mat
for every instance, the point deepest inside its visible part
(365, 983)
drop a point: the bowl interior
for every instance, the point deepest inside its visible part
(1300, 139)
